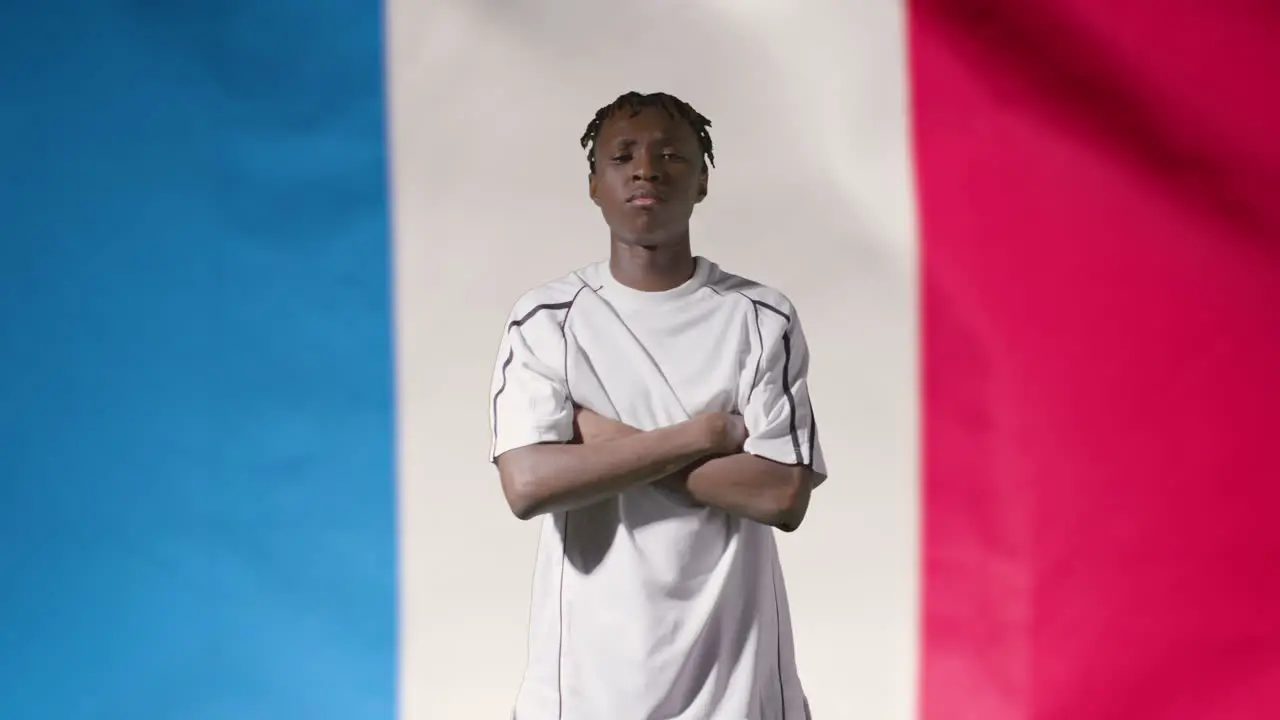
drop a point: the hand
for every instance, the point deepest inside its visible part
(724, 433)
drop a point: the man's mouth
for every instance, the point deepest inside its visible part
(644, 198)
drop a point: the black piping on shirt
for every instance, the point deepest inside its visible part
(786, 380)
(566, 306)
(511, 353)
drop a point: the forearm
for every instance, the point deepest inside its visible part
(740, 484)
(752, 487)
(551, 478)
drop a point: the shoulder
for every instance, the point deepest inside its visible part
(547, 301)
(766, 298)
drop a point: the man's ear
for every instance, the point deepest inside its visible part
(702, 185)
(592, 188)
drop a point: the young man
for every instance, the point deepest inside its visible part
(656, 408)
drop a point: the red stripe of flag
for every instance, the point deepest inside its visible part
(1100, 218)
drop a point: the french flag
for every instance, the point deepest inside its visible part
(255, 259)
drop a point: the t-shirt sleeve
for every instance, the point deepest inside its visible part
(778, 411)
(529, 400)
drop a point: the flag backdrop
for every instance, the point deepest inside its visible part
(255, 259)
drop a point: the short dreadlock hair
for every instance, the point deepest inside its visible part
(634, 103)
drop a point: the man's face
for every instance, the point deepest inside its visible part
(649, 174)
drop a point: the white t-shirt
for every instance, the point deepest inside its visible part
(645, 608)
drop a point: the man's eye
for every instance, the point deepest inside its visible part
(672, 156)
(621, 158)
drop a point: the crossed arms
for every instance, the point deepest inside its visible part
(554, 455)
(701, 459)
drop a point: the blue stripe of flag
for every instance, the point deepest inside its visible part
(196, 426)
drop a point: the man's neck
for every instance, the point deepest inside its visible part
(652, 269)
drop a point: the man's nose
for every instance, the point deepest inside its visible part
(645, 169)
